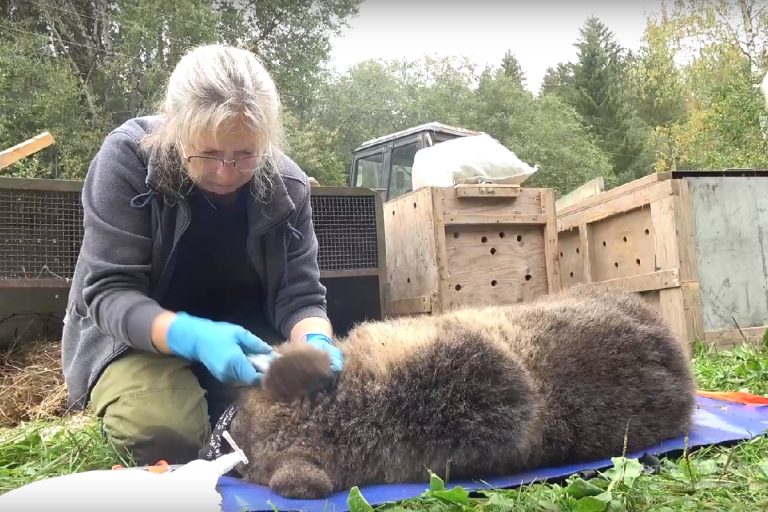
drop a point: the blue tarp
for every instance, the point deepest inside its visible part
(715, 422)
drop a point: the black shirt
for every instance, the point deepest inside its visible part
(212, 276)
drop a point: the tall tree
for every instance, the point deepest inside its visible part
(558, 80)
(598, 90)
(292, 37)
(656, 79)
(121, 52)
(544, 131)
(742, 24)
(512, 69)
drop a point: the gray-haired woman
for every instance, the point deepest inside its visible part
(198, 249)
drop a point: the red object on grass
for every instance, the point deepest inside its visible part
(739, 397)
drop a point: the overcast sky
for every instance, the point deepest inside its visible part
(541, 33)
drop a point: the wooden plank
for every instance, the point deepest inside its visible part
(528, 202)
(328, 190)
(618, 205)
(440, 253)
(585, 191)
(8, 183)
(665, 230)
(627, 188)
(660, 280)
(24, 149)
(681, 309)
(487, 190)
(622, 245)
(486, 268)
(685, 233)
(550, 240)
(333, 274)
(34, 283)
(585, 248)
(409, 306)
(409, 228)
(730, 338)
(570, 257)
(490, 218)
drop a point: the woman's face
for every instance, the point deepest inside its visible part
(234, 143)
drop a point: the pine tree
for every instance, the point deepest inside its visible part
(599, 90)
(511, 68)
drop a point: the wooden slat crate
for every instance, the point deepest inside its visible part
(449, 247)
(694, 244)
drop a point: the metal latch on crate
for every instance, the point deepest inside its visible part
(487, 190)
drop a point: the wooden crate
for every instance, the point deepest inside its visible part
(468, 245)
(694, 244)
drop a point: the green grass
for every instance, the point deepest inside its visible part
(712, 478)
(52, 447)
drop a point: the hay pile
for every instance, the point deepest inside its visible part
(31, 382)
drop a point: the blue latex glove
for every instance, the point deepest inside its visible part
(324, 343)
(220, 346)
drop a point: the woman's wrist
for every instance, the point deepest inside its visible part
(159, 331)
(311, 325)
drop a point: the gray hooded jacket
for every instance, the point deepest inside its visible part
(131, 229)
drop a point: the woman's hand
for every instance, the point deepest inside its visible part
(220, 346)
(325, 343)
(318, 332)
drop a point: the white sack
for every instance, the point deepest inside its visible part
(470, 159)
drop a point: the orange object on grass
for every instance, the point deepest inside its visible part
(739, 397)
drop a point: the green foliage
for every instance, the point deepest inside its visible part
(78, 69)
(291, 38)
(744, 368)
(39, 93)
(50, 448)
(511, 68)
(656, 81)
(598, 90)
(723, 128)
(545, 131)
(311, 147)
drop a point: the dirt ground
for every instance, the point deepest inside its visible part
(31, 382)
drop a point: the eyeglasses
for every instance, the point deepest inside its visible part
(246, 164)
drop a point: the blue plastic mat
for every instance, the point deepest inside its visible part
(715, 422)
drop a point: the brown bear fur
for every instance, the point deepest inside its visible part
(475, 393)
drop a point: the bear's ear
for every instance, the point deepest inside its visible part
(301, 371)
(297, 477)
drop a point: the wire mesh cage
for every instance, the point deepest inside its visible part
(41, 228)
(346, 229)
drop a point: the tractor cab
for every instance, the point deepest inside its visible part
(384, 164)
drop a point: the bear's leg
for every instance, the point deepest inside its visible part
(299, 478)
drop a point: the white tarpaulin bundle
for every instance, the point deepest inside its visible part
(191, 487)
(470, 159)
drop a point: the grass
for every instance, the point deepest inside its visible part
(712, 478)
(52, 447)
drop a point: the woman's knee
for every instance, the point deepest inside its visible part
(152, 408)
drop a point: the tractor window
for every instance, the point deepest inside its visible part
(369, 172)
(402, 163)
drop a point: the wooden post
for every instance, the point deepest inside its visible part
(24, 149)
(681, 306)
(550, 239)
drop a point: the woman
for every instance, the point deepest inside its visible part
(198, 250)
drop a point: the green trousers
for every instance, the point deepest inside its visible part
(157, 407)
